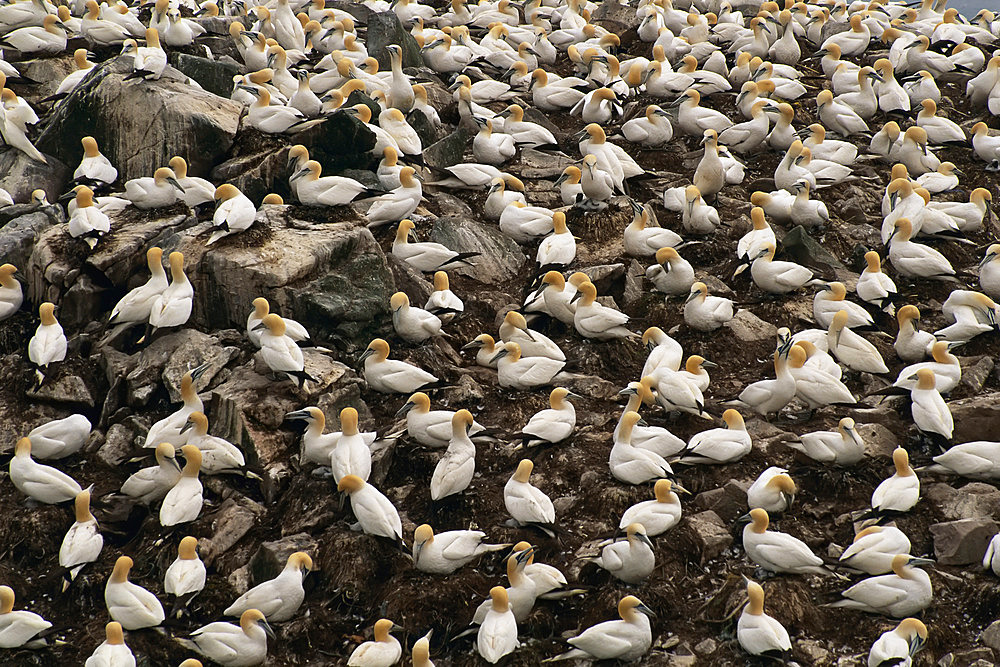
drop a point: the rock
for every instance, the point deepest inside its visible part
(977, 657)
(180, 351)
(711, 535)
(256, 174)
(343, 141)
(976, 499)
(500, 258)
(48, 72)
(538, 164)
(141, 125)
(215, 76)
(449, 151)
(879, 440)
(384, 29)
(17, 237)
(270, 558)
(976, 418)
(20, 175)
(427, 133)
(234, 519)
(800, 247)
(604, 276)
(728, 501)
(991, 636)
(814, 650)
(706, 647)
(618, 18)
(117, 447)
(589, 386)
(65, 389)
(749, 328)
(976, 371)
(634, 291)
(962, 542)
(450, 205)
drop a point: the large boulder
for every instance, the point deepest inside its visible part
(500, 258)
(140, 125)
(384, 29)
(20, 175)
(18, 236)
(215, 76)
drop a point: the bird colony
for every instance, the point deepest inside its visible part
(376, 333)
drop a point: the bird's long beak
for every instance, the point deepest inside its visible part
(187, 426)
(471, 346)
(173, 182)
(198, 371)
(409, 405)
(645, 610)
(298, 414)
(268, 630)
(499, 355)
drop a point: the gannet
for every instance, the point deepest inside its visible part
(559, 247)
(525, 502)
(751, 243)
(777, 277)
(943, 180)
(815, 385)
(413, 324)
(706, 313)
(384, 651)
(135, 306)
(312, 189)
(776, 204)
(431, 428)
(375, 513)
(151, 484)
(169, 428)
(15, 116)
(905, 592)
(18, 628)
(984, 145)
(832, 297)
(899, 645)
(656, 439)
(842, 152)
(275, 119)
(485, 348)
(94, 168)
(87, 221)
(217, 454)
(843, 446)
(280, 352)
(49, 38)
(454, 471)
(679, 390)
(838, 117)
(261, 308)
(568, 183)
(172, 306)
(874, 548)
(548, 580)
(643, 240)
(243, 645)
(399, 203)
(279, 598)
(651, 130)
(517, 372)
(498, 197)
(497, 634)
(773, 491)
(900, 492)
(185, 577)
(719, 445)
(522, 592)
(157, 192)
(778, 552)
(422, 650)
(632, 464)
(697, 216)
(442, 301)
(552, 425)
(59, 438)
(973, 313)
(11, 295)
(851, 349)
(767, 396)
(83, 541)
(550, 94)
(854, 42)
(194, 191)
(758, 633)
(874, 286)
(659, 515)
(930, 412)
(317, 447)
(979, 459)
(234, 212)
(491, 147)
(989, 271)
(112, 652)
(627, 639)
(48, 345)
(945, 366)
(129, 604)
(514, 329)
(40, 482)
(694, 119)
(967, 216)
(631, 560)
(183, 501)
(990, 559)
(526, 224)
(446, 552)
(672, 274)
(557, 296)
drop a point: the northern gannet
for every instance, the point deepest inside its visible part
(455, 469)
(11, 295)
(275, 119)
(48, 345)
(172, 306)
(195, 191)
(442, 301)
(413, 324)
(317, 446)
(900, 492)
(234, 213)
(94, 168)
(18, 628)
(384, 651)
(243, 645)
(280, 352)
(815, 384)
(767, 396)
(169, 428)
(524, 501)
(930, 412)
(261, 308)
(659, 515)
(151, 484)
(59, 438)
(979, 459)
(719, 445)
(88, 221)
(905, 592)
(558, 248)
(778, 552)
(159, 191)
(446, 552)
(773, 491)
(843, 446)
(874, 286)
(651, 130)
(83, 541)
(279, 598)
(751, 243)
(776, 277)
(129, 604)
(40, 482)
(552, 425)
(851, 349)
(514, 329)
(185, 577)
(627, 639)
(517, 372)
(184, 500)
(832, 297)
(946, 367)
(112, 652)
(491, 147)
(135, 306)
(632, 464)
(375, 513)
(989, 271)
(671, 274)
(698, 217)
(312, 189)
(704, 312)
(656, 439)
(522, 592)
(758, 633)
(899, 645)
(644, 240)
(497, 634)
(874, 548)
(631, 560)
(398, 204)
(49, 38)
(217, 454)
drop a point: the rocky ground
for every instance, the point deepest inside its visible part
(325, 269)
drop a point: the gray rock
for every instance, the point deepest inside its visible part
(727, 502)
(65, 389)
(427, 133)
(230, 523)
(879, 440)
(711, 535)
(343, 141)
(48, 72)
(814, 650)
(976, 418)
(270, 558)
(256, 174)
(117, 447)
(384, 29)
(17, 237)
(539, 164)
(448, 151)
(749, 328)
(589, 386)
(706, 647)
(962, 542)
(976, 371)
(215, 76)
(976, 499)
(800, 247)
(991, 636)
(499, 259)
(140, 125)
(20, 175)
